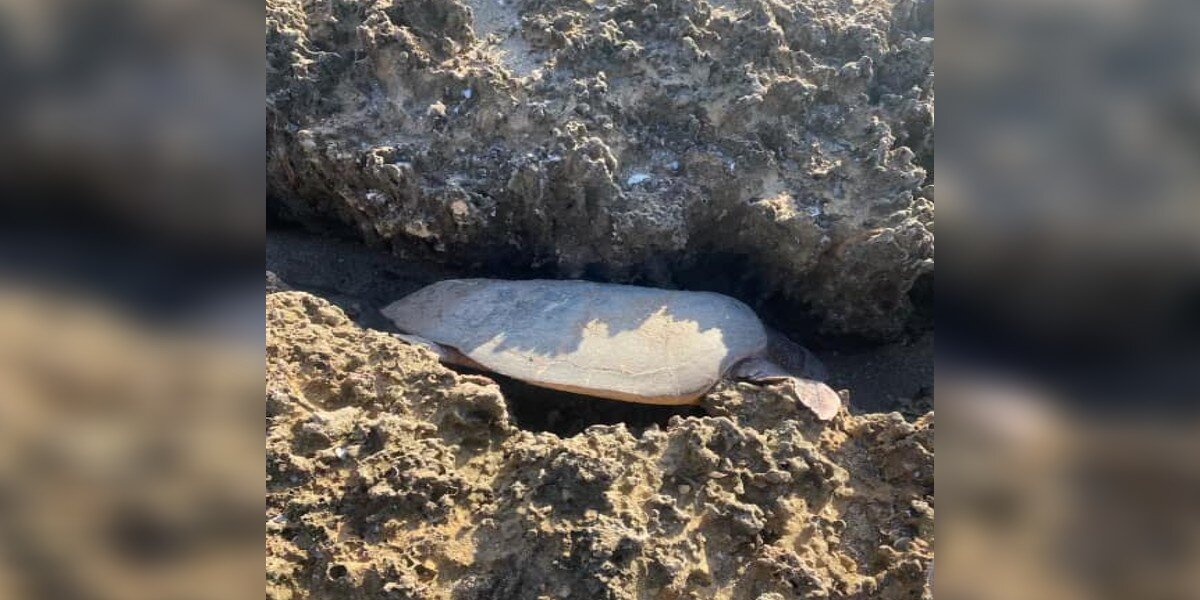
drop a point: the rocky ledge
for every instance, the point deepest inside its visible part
(391, 476)
(776, 151)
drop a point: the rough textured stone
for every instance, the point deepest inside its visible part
(774, 151)
(390, 476)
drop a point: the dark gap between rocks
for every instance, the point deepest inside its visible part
(565, 414)
(361, 280)
(921, 296)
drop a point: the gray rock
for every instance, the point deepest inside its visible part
(802, 134)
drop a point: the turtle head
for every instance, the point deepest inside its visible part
(795, 358)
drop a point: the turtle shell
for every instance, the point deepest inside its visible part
(614, 341)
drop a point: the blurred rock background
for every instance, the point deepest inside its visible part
(1069, 300)
(131, 232)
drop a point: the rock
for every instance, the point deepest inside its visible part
(275, 284)
(443, 496)
(798, 137)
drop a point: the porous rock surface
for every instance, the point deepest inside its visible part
(772, 150)
(390, 476)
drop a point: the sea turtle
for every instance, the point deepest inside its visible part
(622, 342)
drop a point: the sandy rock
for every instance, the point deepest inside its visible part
(773, 151)
(391, 476)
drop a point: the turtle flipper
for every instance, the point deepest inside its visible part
(816, 395)
(446, 354)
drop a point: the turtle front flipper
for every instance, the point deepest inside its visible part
(446, 354)
(817, 396)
